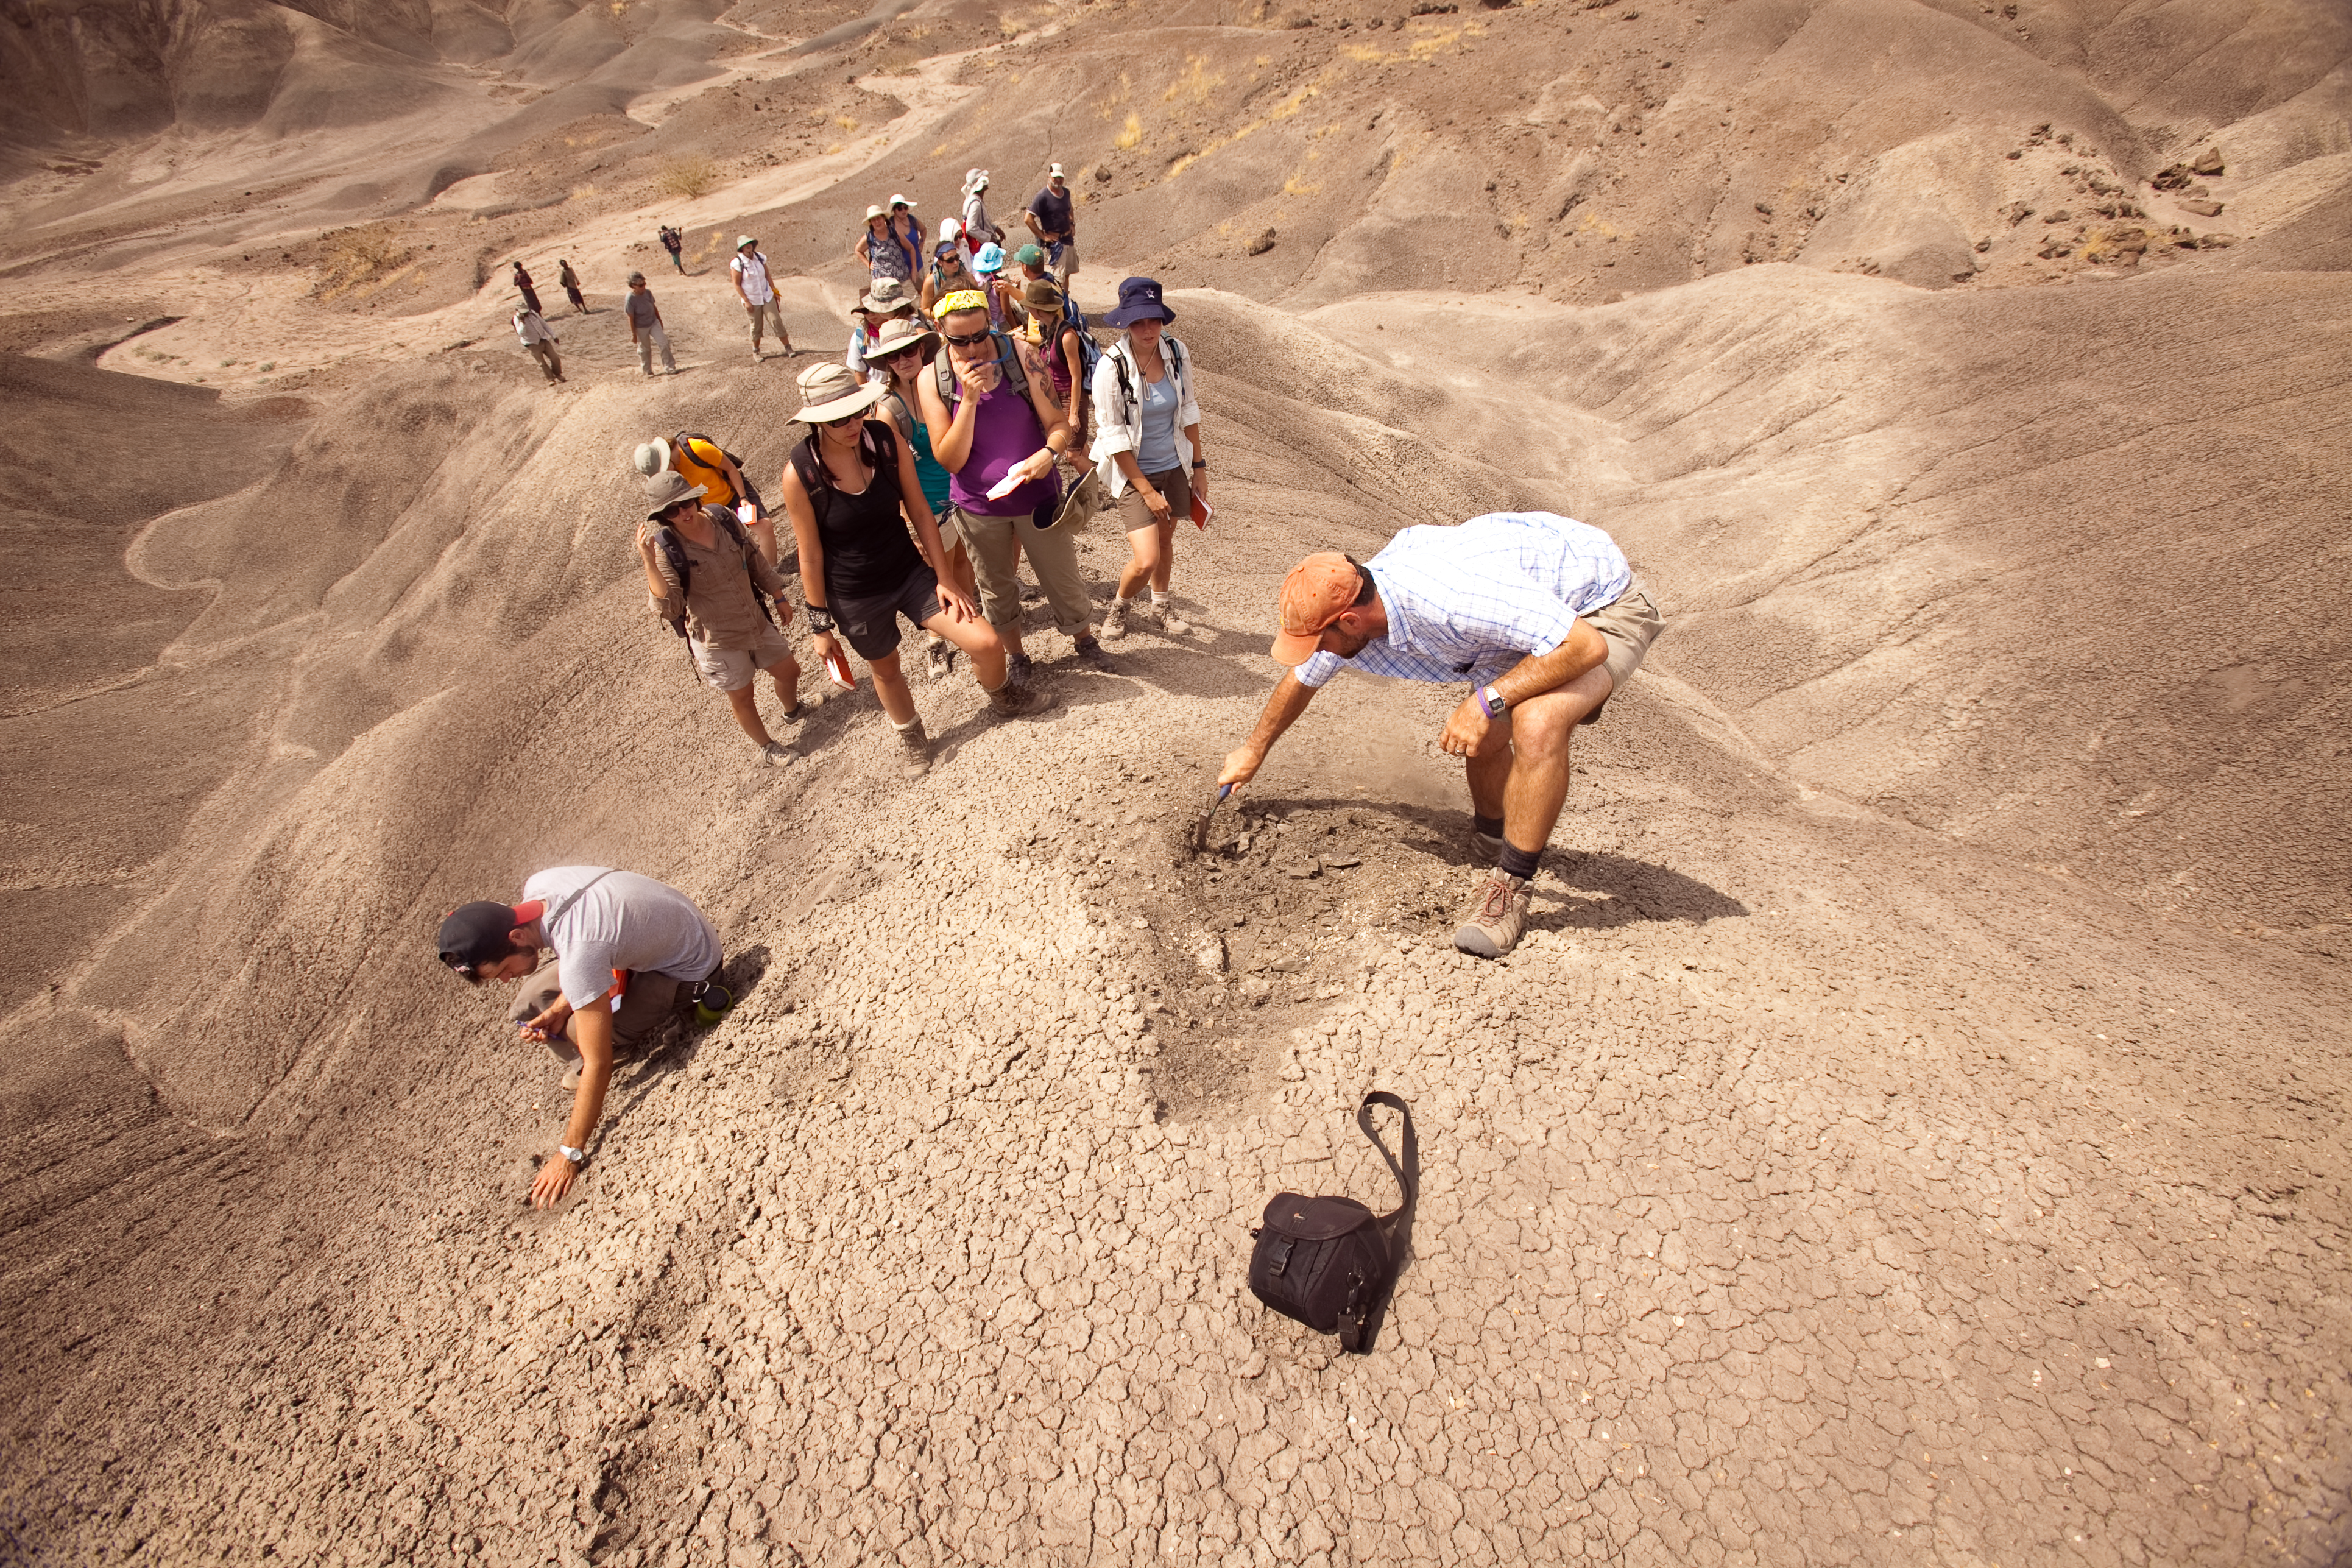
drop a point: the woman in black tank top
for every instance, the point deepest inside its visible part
(852, 493)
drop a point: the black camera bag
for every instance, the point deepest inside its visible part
(1328, 1261)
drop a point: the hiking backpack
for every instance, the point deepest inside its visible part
(1008, 354)
(1126, 384)
(673, 549)
(878, 446)
(1328, 1261)
(750, 492)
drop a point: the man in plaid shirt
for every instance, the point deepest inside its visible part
(1538, 614)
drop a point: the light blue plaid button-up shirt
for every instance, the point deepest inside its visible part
(1467, 603)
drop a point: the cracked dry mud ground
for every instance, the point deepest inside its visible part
(1773, 1210)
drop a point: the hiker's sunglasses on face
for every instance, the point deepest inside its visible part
(968, 338)
(843, 419)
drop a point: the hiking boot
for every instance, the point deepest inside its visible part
(1019, 670)
(1171, 623)
(1015, 700)
(1113, 619)
(1493, 926)
(939, 660)
(918, 750)
(1487, 848)
(778, 755)
(1090, 654)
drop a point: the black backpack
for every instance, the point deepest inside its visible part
(674, 548)
(1329, 1262)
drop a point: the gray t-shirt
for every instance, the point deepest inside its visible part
(623, 921)
(641, 307)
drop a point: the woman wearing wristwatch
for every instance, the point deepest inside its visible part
(1146, 447)
(852, 493)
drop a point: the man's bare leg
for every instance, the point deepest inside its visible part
(1521, 773)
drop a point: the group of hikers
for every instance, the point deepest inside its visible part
(894, 247)
(934, 458)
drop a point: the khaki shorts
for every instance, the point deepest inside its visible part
(1175, 485)
(732, 668)
(1629, 624)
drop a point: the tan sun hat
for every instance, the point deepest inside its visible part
(898, 336)
(652, 457)
(828, 392)
(872, 213)
(888, 294)
(743, 240)
(666, 489)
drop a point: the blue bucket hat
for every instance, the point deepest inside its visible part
(1138, 298)
(990, 259)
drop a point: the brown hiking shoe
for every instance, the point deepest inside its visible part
(918, 746)
(1019, 699)
(1494, 924)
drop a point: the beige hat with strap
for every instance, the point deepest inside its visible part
(831, 391)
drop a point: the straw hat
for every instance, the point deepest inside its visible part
(830, 390)
(872, 213)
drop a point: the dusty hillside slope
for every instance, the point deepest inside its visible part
(1912, 1132)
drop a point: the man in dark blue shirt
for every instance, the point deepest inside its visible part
(1049, 217)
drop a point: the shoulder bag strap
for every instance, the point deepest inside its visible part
(1406, 1172)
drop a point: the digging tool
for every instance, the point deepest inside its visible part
(1201, 829)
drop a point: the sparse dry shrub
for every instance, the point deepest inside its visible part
(353, 258)
(690, 176)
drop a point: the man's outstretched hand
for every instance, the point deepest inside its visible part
(1241, 766)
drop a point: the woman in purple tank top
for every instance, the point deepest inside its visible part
(999, 440)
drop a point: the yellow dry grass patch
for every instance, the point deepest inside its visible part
(363, 258)
(1131, 135)
(1194, 82)
(691, 176)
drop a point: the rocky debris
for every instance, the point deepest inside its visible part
(2202, 207)
(2017, 212)
(2055, 247)
(1209, 954)
(2207, 164)
(1264, 242)
(2060, 215)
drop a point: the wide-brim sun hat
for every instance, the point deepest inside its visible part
(990, 259)
(1042, 293)
(742, 240)
(887, 294)
(651, 457)
(974, 180)
(665, 490)
(903, 202)
(831, 391)
(1139, 300)
(872, 213)
(899, 336)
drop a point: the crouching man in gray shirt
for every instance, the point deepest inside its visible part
(629, 952)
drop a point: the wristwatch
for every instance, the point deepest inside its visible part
(577, 1156)
(1490, 701)
(1199, 462)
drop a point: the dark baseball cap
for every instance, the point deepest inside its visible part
(475, 936)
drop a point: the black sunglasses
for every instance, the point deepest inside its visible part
(966, 340)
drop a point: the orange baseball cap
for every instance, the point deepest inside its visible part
(1318, 591)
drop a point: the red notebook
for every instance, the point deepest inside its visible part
(837, 665)
(1202, 511)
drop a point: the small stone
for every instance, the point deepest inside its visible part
(1209, 955)
(2203, 207)
(1255, 990)
(2209, 162)
(1262, 244)
(2060, 215)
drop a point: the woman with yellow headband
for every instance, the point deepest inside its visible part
(999, 433)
